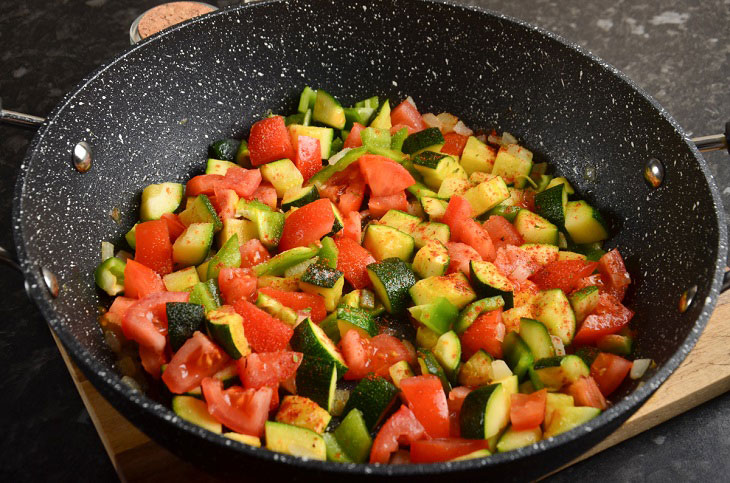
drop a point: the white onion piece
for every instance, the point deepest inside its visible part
(507, 138)
(107, 250)
(338, 156)
(639, 367)
(482, 138)
(495, 139)
(123, 255)
(448, 121)
(500, 331)
(558, 344)
(460, 128)
(500, 370)
(412, 102)
(431, 120)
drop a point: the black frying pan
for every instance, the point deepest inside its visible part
(150, 114)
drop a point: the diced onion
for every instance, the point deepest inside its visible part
(500, 370)
(411, 101)
(460, 128)
(482, 138)
(124, 255)
(639, 367)
(107, 250)
(558, 344)
(333, 159)
(495, 139)
(507, 138)
(448, 121)
(431, 120)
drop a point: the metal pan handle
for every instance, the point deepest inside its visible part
(19, 119)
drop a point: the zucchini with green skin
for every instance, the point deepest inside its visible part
(242, 155)
(517, 354)
(328, 110)
(488, 281)
(193, 245)
(317, 380)
(470, 313)
(383, 242)
(400, 220)
(455, 287)
(454, 186)
(477, 156)
(391, 279)
(399, 371)
(553, 309)
(432, 260)
(422, 140)
(183, 319)
(485, 412)
(513, 439)
(218, 166)
(513, 164)
(109, 275)
(486, 195)
(158, 199)
(381, 117)
(224, 149)
(477, 371)
(283, 175)
(303, 412)
(355, 318)
(226, 328)
(434, 207)
(195, 411)
(181, 281)
(447, 352)
(551, 203)
(310, 339)
(373, 396)
(583, 302)
(277, 309)
(536, 336)
(206, 294)
(430, 365)
(535, 229)
(436, 167)
(200, 210)
(427, 231)
(319, 279)
(419, 190)
(584, 223)
(566, 418)
(298, 197)
(618, 344)
(278, 264)
(293, 440)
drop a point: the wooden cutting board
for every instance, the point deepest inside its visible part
(137, 458)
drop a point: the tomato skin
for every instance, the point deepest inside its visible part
(264, 332)
(460, 254)
(308, 159)
(375, 355)
(457, 211)
(380, 205)
(562, 274)
(145, 322)
(454, 143)
(527, 411)
(609, 371)
(608, 318)
(236, 284)
(405, 113)
(444, 449)
(266, 194)
(502, 232)
(487, 332)
(268, 369)
(154, 249)
(121, 305)
(299, 301)
(152, 361)
(353, 260)
(243, 410)
(353, 227)
(471, 233)
(269, 141)
(140, 281)
(225, 202)
(585, 392)
(615, 277)
(345, 189)
(243, 181)
(353, 138)
(402, 427)
(174, 226)
(384, 176)
(253, 252)
(198, 358)
(203, 184)
(427, 400)
(307, 225)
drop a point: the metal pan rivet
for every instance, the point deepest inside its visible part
(654, 173)
(51, 282)
(685, 300)
(82, 157)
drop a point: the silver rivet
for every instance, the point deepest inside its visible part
(82, 157)
(51, 282)
(685, 300)
(654, 173)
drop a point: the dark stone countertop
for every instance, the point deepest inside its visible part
(677, 50)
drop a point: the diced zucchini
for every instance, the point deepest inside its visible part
(158, 199)
(583, 302)
(373, 396)
(275, 308)
(181, 281)
(311, 340)
(618, 344)
(226, 328)
(537, 338)
(448, 354)
(419, 190)
(269, 226)
(555, 372)
(386, 242)
(513, 164)
(381, 119)
(245, 230)
(565, 255)
(193, 245)
(486, 195)
(560, 180)
(183, 319)
(317, 380)
(432, 260)
(293, 440)
(566, 418)
(541, 253)
(553, 401)
(323, 134)
(434, 207)
(485, 412)
(488, 281)
(426, 338)
(279, 263)
(517, 354)
(244, 439)
(391, 279)
(206, 294)
(477, 156)
(477, 371)
(400, 220)
(339, 223)
(453, 186)
(436, 167)
(299, 196)
(328, 110)
(584, 223)
(283, 175)
(429, 365)
(553, 309)
(427, 231)
(551, 204)
(195, 411)
(322, 280)
(513, 439)
(399, 371)
(200, 210)
(455, 287)
(422, 140)
(242, 155)
(224, 149)
(535, 229)
(474, 310)
(218, 166)
(355, 318)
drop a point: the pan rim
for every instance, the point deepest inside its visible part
(110, 383)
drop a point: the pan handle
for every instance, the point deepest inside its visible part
(48, 277)
(715, 142)
(19, 119)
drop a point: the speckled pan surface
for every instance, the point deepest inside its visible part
(151, 113)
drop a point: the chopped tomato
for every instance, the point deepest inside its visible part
(585, 392)
(198, 358)
(203, 184)
(562, 274)
(591, 280)
(471, 233)
(244, 411)
(526, 286)
(353, 138)
(253, 252)
(384, 176)
(608, 317)
(268, 141)
(152, 360)
(299, 301)
(353, 226)
(307, 225)
(308, 159)
(515, 263)
(527, 411)
(140, 281)
(457, 211)
(502, 232)
(487, 332)
(266, 194)
(613, 273)
(121, 305)
(524, 199)
(427, 400)
(225, 202)
(268, 368)
(345, 189)
(380, 205)
(154, 249)
(236, 284)
(460, 254)
(376, 355)
(454, 143)
(353, 260)
(145, 322)
(174, 225)
(264, 332)
(243, 181)
(406, 113)
(457, 396)
(609, 371)
(444, 449)
(401, 428)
